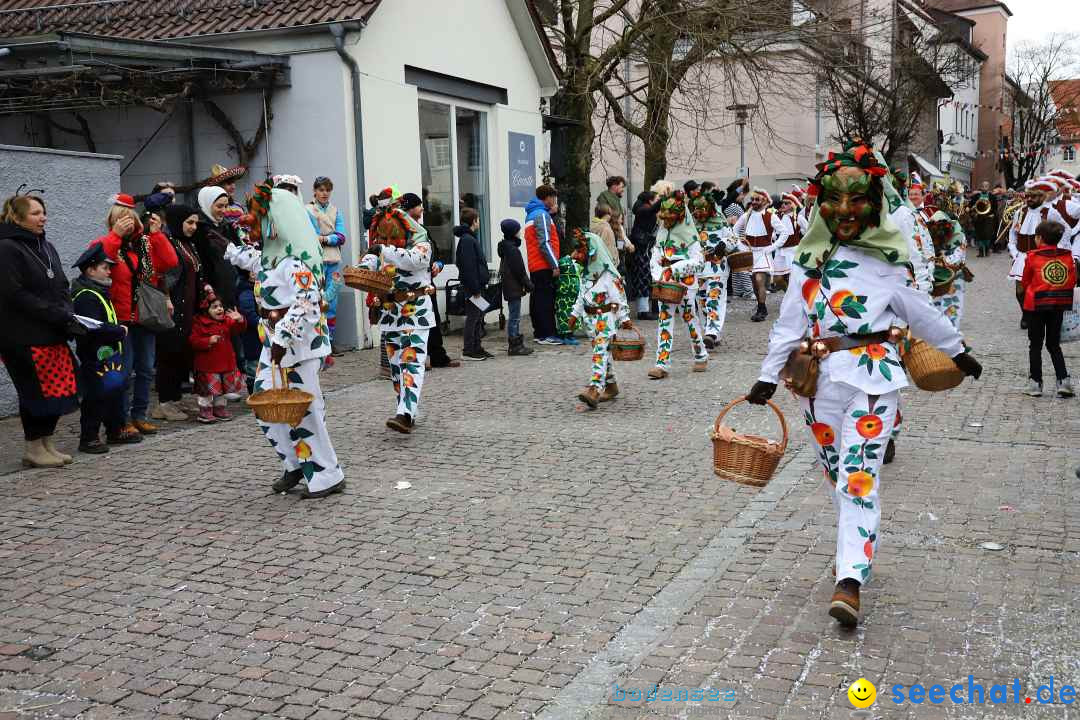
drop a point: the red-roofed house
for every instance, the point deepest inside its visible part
(442, 99)
(1064, 155)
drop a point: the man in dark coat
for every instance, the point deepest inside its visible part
(473, 273)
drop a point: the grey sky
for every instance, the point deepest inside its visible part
(1033, 19)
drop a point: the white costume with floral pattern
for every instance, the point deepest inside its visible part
(670, 263)
(291, 287)
(405, 325)
(857, 401)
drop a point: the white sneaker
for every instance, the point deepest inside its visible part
(1033, 388)
(1065, 388)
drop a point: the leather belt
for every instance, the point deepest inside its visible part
(601, 309)
(850, 342)
(406, 295)
(1025, 243)
(758, 241)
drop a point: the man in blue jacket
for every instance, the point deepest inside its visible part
(542, 249)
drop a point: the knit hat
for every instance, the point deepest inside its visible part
(510, 227)
(734, 210)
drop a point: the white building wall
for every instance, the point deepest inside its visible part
(959, 123)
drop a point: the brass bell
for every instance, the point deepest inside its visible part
(410, 295)
(804, 347)
(820, 350)
(895, 335)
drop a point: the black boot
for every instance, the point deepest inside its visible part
(288, 481)
(518, 347)
(760, 314)
(309, 495)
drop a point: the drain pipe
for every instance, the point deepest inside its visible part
(338, 31)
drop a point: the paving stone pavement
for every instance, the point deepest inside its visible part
(544, 555)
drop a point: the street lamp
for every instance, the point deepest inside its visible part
(742, 114)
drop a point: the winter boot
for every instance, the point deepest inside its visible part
(38, 456)
(67, 458)
(611, 390)
(517, 346)
(760, 314)
(844, 607)
(590, 396)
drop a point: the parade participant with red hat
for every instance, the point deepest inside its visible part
(763, 232)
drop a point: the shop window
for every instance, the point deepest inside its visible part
(1070, 153)
(453, 172)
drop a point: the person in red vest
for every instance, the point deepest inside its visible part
(1048, 282)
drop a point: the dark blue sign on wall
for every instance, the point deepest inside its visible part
(522, 169)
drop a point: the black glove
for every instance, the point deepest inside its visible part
(761, 392)
(968, 364)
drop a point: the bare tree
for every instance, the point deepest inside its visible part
(1036, 112)
(888, 102)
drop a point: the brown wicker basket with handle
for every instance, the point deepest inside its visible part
(628, 348)
(668, 292)
(746, 459)
(280, 404)
(372, 281)
(929, 368)
(741, 261)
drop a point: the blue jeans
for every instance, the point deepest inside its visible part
(140, 350)
(513, 323)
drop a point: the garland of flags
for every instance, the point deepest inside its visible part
(1001, 108)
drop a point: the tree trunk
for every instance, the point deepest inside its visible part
(575, 103)
(656, 145)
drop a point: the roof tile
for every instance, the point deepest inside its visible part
(135, 19)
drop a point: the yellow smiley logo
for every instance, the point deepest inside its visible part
(862, 693)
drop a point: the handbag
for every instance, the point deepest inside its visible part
(151, 304)
(800, 373)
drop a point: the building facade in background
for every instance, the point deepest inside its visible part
(448, 102)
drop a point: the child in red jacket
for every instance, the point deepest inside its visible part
(216, 373)
(1048, 282)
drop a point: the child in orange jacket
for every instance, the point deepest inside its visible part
(1048, 281)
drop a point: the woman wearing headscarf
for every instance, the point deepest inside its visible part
(174, 358)
(215, 234)
(140, 256)
(677, 258)
(642, 237)
(849, 293)
(39, 319)
(290, 276)
(601, 306)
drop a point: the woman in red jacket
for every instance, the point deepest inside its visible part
(140, 255)
(216, 373)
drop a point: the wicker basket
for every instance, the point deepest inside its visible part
(280, 404)
(741, 261)
(670, 293)
(372, 281)
(746, 459)
(929, 368)
(632, 348)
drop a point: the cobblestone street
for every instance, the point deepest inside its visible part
(537, 556)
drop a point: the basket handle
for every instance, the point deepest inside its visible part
(637, 332)
(276, 371)
(771, 404)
